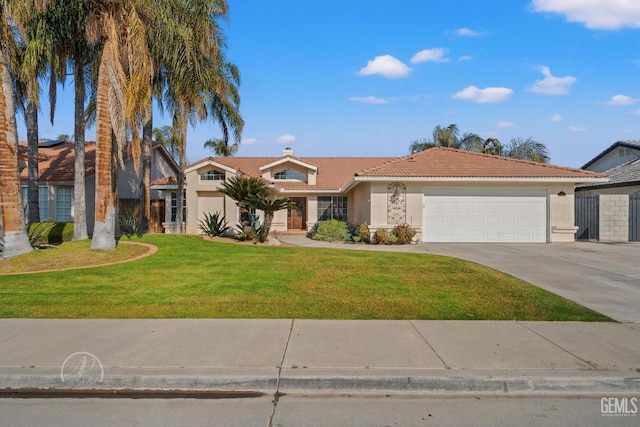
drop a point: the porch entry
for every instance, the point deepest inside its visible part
(297, 214)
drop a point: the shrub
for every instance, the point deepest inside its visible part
(364, 233)
(381, 236)
(130, 223)
(213, 225)
(331, 230)
(403, 233)
(50, 233)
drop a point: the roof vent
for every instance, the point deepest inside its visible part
(287, 152)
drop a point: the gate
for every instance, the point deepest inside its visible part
(587, 214)
(634, 218)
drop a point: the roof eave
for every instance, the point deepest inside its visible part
(575, 180)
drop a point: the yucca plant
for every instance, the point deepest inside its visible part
(37, 231)
(213, 225)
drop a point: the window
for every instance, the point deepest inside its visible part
(43, 201)
(174, 207)
(64, 201)
(332, 207)
(291, 174)
(212, 175)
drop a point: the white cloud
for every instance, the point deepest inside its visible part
(430, 55)
(503, 124)
(465, 58)
(636, 113)
(577, 129)
(250, 141)
(620, 100)
(466, 32)
(594, 14)
(556, 118)
(484, 96)
(284, 139)
(551, 85)
(368, 100)
(387, 66)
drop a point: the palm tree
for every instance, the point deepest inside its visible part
(421, 145)
(447, 137)
(472, 142)
(14, 232)
(205, 84)
(269, 204)
(221, 148)
(527, 149)
(121, 27)
(239, 188)
(492, 146)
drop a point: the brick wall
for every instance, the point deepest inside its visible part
(614, 217)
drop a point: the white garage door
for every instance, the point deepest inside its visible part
(484, 215)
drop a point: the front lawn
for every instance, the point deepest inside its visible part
(191, 277)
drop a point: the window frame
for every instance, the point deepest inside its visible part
(213, 175)
(333, 207)
(290, 174)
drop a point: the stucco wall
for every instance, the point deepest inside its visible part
(359, 204)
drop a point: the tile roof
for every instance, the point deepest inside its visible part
(57, 163)
(624, 174)
(628, 144)
(334, 173)
(442, 162)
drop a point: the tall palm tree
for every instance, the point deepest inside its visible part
(15, 237)
(527, 149)
(447, 137)
(205, 84)
(121, 26)
(220, 147)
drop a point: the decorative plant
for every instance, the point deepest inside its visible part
(269, 204)
(403, 233)
(381, 236)
(213, 225)
(130, 224)
(331, 230)
(363, 233)
(239, 188)
(37, 232)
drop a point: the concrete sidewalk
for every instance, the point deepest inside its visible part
(321, 356)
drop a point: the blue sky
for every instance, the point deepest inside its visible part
(367, 78)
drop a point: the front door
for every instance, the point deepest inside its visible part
(297, 214)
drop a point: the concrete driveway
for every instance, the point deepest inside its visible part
(602, 276)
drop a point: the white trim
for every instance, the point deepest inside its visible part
(165, 187)
(211, 163)
(287, 160)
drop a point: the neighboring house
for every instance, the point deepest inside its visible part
(610, 211)
(56, 173)
(447, 195)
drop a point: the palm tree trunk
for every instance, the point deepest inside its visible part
(104, 228)
(79, 196)
(181, 167)
(31, 118)
(268, 220)
(16, 241)
(145, 196)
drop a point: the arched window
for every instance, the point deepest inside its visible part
(290, 173)
(212, 175)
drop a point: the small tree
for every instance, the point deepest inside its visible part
(239, 188)
(269, 204)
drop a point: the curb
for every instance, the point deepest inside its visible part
(336, 382)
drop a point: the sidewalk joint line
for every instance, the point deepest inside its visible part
(276, 396)
(593, 365)
(430, 346)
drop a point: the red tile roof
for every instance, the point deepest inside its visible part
(442, 162)
(57, 163)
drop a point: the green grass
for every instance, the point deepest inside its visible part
(191, 277)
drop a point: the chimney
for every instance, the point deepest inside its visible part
(287, 152)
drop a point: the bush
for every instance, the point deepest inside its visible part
(130, 223)
(212, 225)
(381, 236)
(364, 233)
(403, 234)
(50, 233)
(331, 230)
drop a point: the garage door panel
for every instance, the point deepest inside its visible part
(484, 215)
